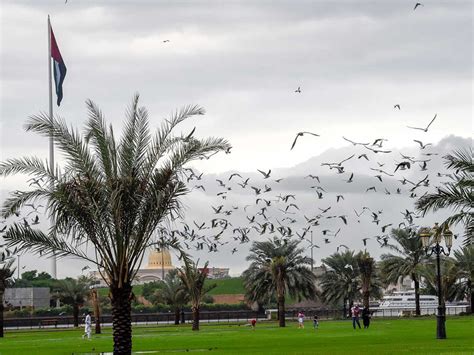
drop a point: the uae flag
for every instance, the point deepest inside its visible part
(59, 68)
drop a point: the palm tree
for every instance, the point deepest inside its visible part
(278, 268)
(6, 272)
(408, 262)
(456, 194)
(449, 278)
(74, 292)
(193, 279)
(464, 259)
(111, 196)
(340, 282)
(173, 293)
(367, 274)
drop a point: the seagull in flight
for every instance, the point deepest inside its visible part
(354, 143)
(422, 146)
(265, 175)
(301, 134)
(425, 129)
(417, 4)
(396, 106)
(298, 90)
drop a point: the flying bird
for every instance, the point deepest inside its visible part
(301, 134)
(378, 142)
(265, 175)
(298, 90)
(417, 4)
(350, 178)
(354, 143)
(425, 129)
(396, 106)
(403, 165)
(422, 146)
(234, 174)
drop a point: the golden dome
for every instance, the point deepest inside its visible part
(160, 260)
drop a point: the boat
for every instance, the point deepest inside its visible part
(406, 300)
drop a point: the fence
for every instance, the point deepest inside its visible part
(212, 317)
(137, 319)
(375, 312)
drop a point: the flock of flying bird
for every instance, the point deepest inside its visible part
(279, 214)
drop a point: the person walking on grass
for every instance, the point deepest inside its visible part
(366, 317)
(355, 315)
(87, 326)
(315, 322)
(301, 320)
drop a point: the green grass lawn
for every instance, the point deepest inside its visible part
(385, 336)
(231, 286)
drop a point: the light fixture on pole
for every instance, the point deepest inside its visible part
(431, 240)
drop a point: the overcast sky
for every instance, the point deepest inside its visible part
(242, 61)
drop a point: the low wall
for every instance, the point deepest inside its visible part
(229, 299)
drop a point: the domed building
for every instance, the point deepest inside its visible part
(158, 266)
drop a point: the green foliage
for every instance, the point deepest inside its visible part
(278, 268)
(74, 291)
(148, 291)
(208, 299)
(340, 282)
(456, 194)
(172, 291)
(34, 279)
(193, 280)
(409, 260)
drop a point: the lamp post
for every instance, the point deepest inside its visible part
(311, 246)
(431, 240)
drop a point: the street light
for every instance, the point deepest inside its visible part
(311, 247)
(437, 233)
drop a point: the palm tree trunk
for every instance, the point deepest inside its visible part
(344, 309)
(281, 310)
(471, 296)
(95, 303)
(366, 295)
(195, 318)
(176, 316)
(1, 313)
(75, 314)
(121, 319)
(417, 295)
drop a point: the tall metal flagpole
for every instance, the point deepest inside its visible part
(51, 141)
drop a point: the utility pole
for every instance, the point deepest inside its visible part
(312, 260)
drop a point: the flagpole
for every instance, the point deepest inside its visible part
(51, 141)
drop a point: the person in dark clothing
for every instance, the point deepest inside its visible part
(366, 317)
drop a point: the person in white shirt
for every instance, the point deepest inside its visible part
(300, 320)
(87, 326)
